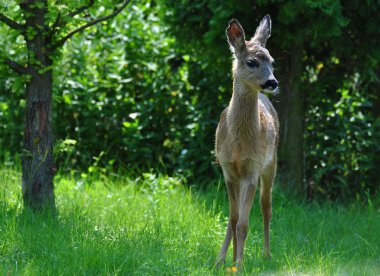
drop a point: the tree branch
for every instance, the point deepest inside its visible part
(18, 68)
(56, 22)
(59, 23)
(54, 27)
(81, 9)
(10, 23)
(62, 41)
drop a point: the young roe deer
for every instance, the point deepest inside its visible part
(247, 136)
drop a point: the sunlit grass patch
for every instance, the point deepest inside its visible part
(157, 225)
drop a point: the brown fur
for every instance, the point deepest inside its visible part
(247, 137)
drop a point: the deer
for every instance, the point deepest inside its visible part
(247, 136)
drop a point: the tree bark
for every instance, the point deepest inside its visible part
(37, 162)
(291, 109)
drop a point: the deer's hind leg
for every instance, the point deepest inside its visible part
(267, 179)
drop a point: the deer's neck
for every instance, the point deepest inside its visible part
(244, 118)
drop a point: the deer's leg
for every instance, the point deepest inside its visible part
(234, 221)
(266, 204)
(231, 227)
(247, 194)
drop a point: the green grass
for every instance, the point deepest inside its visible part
(155, 225)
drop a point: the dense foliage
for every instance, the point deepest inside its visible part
(130, 90)
(145, 90)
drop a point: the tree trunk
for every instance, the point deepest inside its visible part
(37, 162)
(291, 109)
(41, 41)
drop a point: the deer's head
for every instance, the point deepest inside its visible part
(253, 64)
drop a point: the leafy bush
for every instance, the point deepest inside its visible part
(125, 90)
(342, 143)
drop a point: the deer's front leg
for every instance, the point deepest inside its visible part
(232, 221)
(247, 194)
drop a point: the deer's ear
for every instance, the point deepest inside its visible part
(263, 31)
(235, 36)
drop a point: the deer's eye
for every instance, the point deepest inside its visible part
(252, 63)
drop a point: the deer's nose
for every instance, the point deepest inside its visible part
(270, 84)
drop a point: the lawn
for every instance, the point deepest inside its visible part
(157, 225)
